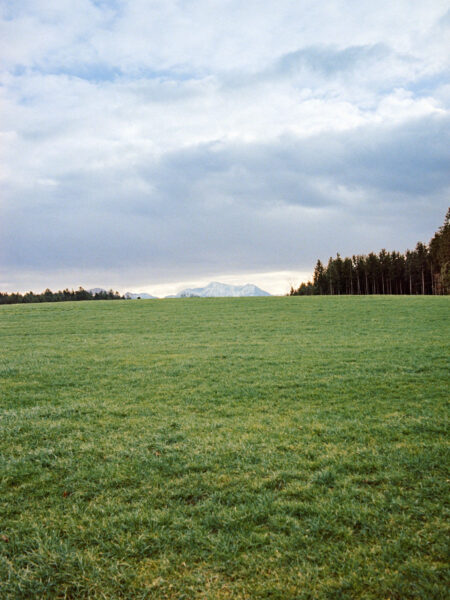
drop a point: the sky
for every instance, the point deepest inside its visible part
(150, 145)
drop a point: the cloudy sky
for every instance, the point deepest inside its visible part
(152, 144)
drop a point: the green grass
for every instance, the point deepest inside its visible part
(230, 448)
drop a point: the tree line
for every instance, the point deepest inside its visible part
(424, 270)
(60, 296)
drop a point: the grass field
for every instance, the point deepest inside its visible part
(225, 448)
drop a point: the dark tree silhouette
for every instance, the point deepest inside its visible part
(424, 270)
(60, 296)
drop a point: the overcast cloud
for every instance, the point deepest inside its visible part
(150, 144)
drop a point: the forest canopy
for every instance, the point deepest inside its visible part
(424, 270)
(60, 296)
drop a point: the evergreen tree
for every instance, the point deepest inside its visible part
(424, 270)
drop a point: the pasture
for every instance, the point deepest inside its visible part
(282, 448)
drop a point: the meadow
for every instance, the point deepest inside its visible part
(282, 448)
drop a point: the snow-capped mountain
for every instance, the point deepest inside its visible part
(141, 295)
(221, 290)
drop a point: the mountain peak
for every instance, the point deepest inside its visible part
(138, 296)
(215, 289)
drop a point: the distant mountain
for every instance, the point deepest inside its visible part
(141, 295)
(221, 290)
(94, 291)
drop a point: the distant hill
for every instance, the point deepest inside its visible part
(141, 295)
(221, 290)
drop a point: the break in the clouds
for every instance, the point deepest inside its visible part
(149, 143)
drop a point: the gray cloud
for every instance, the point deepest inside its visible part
(213, 206)
(332, 61)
